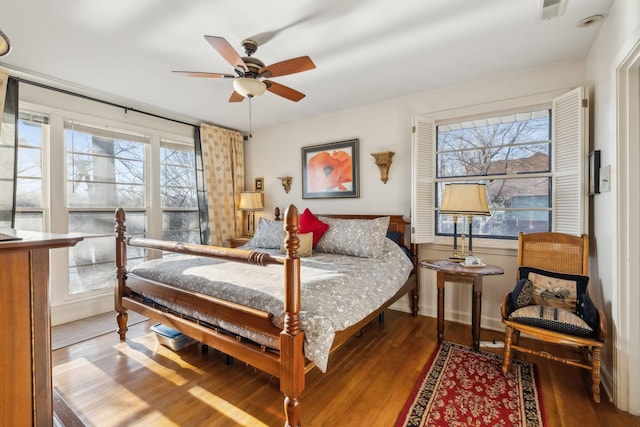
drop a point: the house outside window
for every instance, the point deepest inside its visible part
(511, 154)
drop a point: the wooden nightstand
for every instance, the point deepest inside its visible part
(235, 242)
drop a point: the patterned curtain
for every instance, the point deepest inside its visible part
(8, 145)
(223, 164)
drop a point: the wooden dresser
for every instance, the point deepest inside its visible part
(25, 315)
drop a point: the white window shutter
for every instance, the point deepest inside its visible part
(570, 121)
(422, 180)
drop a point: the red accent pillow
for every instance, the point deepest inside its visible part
(310, 223)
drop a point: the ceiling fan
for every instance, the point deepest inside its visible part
(251, 74)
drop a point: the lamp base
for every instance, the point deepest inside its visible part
(456, 258)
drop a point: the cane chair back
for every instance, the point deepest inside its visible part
(554, 252)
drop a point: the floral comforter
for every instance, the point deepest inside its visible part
(337, 290)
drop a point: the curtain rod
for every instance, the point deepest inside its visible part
(126, 109)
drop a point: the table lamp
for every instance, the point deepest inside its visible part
(251, 201)
(464, 199)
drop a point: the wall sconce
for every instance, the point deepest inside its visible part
(286, 183)
(383, 160)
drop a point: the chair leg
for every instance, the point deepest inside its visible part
(508, 354)
(595, 374)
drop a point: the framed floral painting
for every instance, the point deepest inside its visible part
(330, 170)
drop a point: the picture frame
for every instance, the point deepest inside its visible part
(331, 170)
(259, 184)
(594, 172)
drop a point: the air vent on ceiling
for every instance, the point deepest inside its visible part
(551, 8)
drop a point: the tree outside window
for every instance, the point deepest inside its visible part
(511, 154)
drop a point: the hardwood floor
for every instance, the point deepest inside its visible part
(141, 383)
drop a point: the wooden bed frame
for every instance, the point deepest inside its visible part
(288, 362)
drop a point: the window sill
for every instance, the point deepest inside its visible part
(485, 246)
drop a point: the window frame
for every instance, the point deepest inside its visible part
(572, 103)
(44, 165)
(66, 307)
(439, 180)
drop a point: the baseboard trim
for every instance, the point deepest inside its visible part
(81, 309)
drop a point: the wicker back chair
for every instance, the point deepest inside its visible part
(561, 255)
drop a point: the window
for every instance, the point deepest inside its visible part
(180, 217)
(33, 130)
(77, 162)
(105, 170)
(511, 154)
(535, 181)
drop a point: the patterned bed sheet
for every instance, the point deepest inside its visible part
(337, 291)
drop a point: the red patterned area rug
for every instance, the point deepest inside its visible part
(462, 387)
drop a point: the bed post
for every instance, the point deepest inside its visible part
(292, 337)
(121, 273)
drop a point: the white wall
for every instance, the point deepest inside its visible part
(385, 126)
(619, 36)
(276, 151)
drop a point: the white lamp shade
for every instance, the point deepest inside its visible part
(251, 201)
(465, 199)
(248, 87)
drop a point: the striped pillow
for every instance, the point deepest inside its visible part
(552, 318)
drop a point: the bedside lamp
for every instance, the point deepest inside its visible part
(251, 201)
(464, 199)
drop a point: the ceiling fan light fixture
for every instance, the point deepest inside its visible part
(5, 46)
(249, 87)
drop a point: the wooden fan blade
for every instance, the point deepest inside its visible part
(227, 52)
(236, 97)
(284, 91)
(290, 66)
(206, 75)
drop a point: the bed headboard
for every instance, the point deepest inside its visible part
(397, 223)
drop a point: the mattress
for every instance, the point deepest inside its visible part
(337, 291)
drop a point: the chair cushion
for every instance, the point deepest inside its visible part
(554, 289)
(552, 318)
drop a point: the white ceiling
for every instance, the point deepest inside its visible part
(365, 51)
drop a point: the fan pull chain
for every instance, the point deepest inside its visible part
(250, 128)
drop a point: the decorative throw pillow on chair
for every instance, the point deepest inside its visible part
(587, 311)
(522, 294)
(554, 289)
(554, 301)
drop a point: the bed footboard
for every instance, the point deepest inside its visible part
(288, 363)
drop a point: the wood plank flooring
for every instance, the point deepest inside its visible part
(141, 383)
